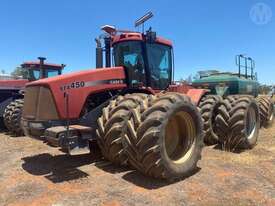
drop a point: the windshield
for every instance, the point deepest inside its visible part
(129, 55)
(34, 73)
(158, 63)
(51, 73)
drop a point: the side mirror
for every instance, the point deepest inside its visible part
(151, 36)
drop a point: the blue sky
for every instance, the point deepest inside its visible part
(206, 34)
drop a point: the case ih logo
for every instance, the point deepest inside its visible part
(261, 14)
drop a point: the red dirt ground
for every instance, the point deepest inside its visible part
(34, 174)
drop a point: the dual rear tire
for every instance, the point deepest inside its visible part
(238, 123)
(12, 117)
(234, 122)
(266, 109)
(113, 122)
(209, 106)
(159, 136)
(7, 115)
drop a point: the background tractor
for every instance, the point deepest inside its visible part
(234, 110)
(128, 106)
(12, 92)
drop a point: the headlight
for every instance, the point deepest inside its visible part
(24, 123)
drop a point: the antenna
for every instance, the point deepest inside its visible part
(143, 19)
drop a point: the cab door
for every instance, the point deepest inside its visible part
(159, 66)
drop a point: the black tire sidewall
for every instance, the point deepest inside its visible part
(212, 122)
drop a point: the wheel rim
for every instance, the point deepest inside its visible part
(251, 123)
(180, 137)
(271, 116)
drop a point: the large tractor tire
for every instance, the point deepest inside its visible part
(7, 115)
(222, 119)
(15, 117)
(169, 140)
(112, 123)
(2, 125)
(238, 123)
(209, 109)
(266, 111)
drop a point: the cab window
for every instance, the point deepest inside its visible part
(34, 74)
(129, 55)
(160, 65)
(51, 73)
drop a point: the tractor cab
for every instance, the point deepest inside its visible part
(146, 58)
(40, 70)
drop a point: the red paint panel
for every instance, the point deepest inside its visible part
(164, 41)
(127, 37)
(137, 37)
(77, 96)
(45, 64)
(196, 95)
(13, 84)
(181, 88)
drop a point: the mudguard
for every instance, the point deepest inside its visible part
(196, 95)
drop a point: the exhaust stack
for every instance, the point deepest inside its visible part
(107, 41)
(99, 54)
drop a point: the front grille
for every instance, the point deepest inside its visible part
(39, 104)
(30, 102)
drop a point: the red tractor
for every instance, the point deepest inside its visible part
(130, 107)
(12, 92)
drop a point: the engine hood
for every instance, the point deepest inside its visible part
(89, 74)
(79, 85)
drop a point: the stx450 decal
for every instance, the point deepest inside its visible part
(80, 84)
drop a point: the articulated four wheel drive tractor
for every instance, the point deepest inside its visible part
(130, 107)
(12, 92)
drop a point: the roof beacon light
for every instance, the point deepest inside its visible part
(109, 29)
